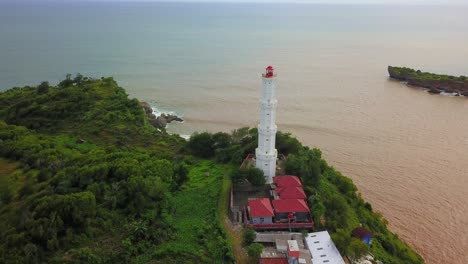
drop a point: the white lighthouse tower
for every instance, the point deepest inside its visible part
(266, 152)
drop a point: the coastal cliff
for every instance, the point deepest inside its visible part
(160, 121)
(436, 83)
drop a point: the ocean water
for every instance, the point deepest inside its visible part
(404, 148)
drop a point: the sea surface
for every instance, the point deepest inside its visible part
(404, 148)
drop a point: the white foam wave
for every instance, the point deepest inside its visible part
(186, 137)
(158, 112)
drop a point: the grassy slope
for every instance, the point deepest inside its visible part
(197, 214)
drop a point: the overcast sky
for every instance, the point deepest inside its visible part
(322, 1)
(412, 2)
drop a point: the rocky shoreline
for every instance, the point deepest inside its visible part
(435, 84)
(160, 121)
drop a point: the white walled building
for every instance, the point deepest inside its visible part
(266, 153)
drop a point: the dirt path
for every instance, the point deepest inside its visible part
(235, 233)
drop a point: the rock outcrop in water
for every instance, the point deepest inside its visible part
(160, 121)
(434, 82)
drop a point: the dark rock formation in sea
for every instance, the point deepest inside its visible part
(434, 82)
(160, 121)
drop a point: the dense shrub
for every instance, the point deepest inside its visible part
(252, 174)
(254, 250)
(202, 145)
(87, 164)
(248, 236)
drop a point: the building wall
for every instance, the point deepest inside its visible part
(261, 220)
(299, 217)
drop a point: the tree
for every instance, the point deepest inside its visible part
(239, 175)
(43, 88)
(342, 239)
(6, 192)
(293, 164)
(337, 212)
(67, 82)
(357, 249)
(221, 140)
(256, 176)
(78, 78)
(31, 252)
(306, 164)
(201, 145)
(181, 174)
(286, 144)
(248, 236)
(254, 250)
(143, 194)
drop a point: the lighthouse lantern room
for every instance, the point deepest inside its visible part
(266, 153)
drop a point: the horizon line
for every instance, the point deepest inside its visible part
(319, 2)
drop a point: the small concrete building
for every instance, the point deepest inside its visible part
(289, 248)
(296, 208)
(260, 211)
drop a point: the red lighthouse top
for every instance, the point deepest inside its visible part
(269, 72)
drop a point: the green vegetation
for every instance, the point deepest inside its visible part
(411, 74)
(84, 178)
(98, 110)
(199, 236)
(349, 246)
(253, 175)
(254, 250)
(248, 236)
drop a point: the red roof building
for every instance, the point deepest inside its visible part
(285, 193)
(287, 181)
(289, 206)
(260, 208)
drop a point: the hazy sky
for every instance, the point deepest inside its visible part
(411, 2)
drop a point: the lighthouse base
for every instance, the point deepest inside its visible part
(267, 163)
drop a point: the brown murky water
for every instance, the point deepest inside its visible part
(405, 149)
